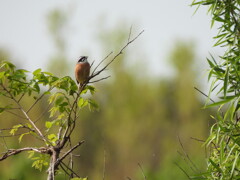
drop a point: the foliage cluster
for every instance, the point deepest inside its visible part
(65, 101)
(224, 139)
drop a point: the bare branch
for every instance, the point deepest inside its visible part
(12, 152)
(130, 32)
(100, 79)
(68, 152)
(196, 139)
(182, 170)
(66, 172)
(42, 114)
(37, 100)
(62, 163)
(26, 115)
(101, 62)
(4, 143)
(204, 94)
(207, 97)
(92, 63)
(114, 58)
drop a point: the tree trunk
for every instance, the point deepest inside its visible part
(52, 166)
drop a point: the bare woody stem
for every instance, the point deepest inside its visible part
(114, 58)
(12, 152)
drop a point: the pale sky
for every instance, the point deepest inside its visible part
(24, 33)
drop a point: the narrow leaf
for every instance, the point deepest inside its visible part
(226, 82)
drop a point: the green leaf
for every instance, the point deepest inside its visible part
(222, 145)
(36, 72)
(59, 100)
(92, 105)
(14, 129)
(218, 103)
(210, 63)
(79, 178)
(47, 92)
(226, 82)
(48, 73)
(53, 111)
(234, 163)
(61, 116)
(84, 91)
(2, 74)
(40, 161)
(53, 97)
(91, 89)
(8, 66)
(215, 165)
(21, 136)
(48, 124)
(82, 102)
(36, 87)
(53, 138)
(31, 154)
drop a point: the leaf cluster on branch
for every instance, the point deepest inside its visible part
(65, 103)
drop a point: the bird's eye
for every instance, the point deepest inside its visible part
(82, 59)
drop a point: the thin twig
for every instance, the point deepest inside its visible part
(70, 169)
(6, 136)
(66, 134)
(182, 170)
(37, 100)
(186, 155)
(11, 152)
(64, 170)
(26, 115)
(71, 161)
(200, 140)
(209, 98)
(114, 58)
(70, 164)
(92, 64)
(145, 178)
(9, 108)
(101, 62)
(4, 142)
(186, 161)
(42, 114)
(104, 163)
(68, 152)
(100, 79)
(17, 115)
(204, 94)
(130, 32)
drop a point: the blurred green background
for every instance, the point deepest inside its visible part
(141, 117)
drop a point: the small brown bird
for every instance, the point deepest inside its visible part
(82, 70)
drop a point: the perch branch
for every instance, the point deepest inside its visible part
(12, 152)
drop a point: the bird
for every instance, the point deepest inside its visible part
(82, 70)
